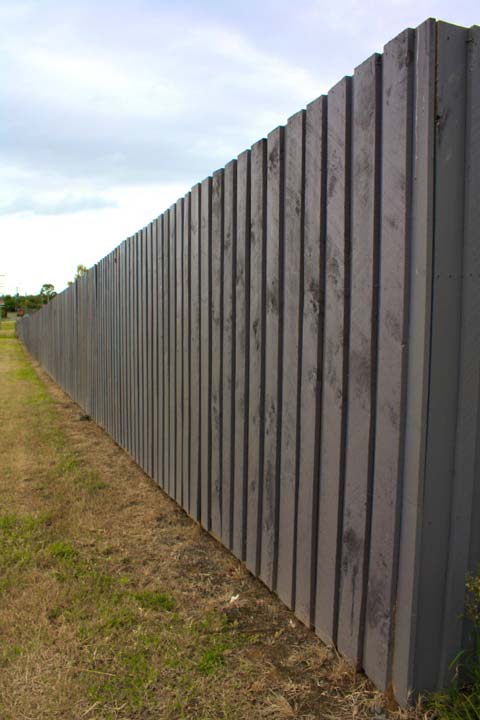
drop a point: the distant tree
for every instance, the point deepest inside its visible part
(81, 271)
(47, 292)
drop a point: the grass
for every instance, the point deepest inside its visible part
(7, 329)
(461, 701)
(115, 606)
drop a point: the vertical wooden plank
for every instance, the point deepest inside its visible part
(273, 354)
(161, 350)
(392, 345)
(205, 350)
(472, 221)
(186, 355)
(242, 268)
(445, 493)
(145, 312)
(179, 352)
(195, 451)
(150, 340)
(335, 359)
(294, 208)
(135, 378)
(420, 282)
(228, 352)
(166, 354)
(172, 300)
(139, 319)
(310, 395)
(462, 557)
(217, 352)
(155, 332)
(256, 329)
(360, 433)
(130, 345)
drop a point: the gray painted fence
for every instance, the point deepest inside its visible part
(292, 352)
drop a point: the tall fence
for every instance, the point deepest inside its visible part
(292, 352)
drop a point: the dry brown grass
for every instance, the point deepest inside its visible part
(115, 605)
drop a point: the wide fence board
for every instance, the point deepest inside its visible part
(291, 352)
(392, 352)
(443, 490)
(360, 430)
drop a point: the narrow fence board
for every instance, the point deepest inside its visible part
(151, 339)
(472, 217)
(179, 353)
(154, 358)
(392, 346)
(420, 292)
(172, 389)
(217, 352)
(273, 346)
(160, 352)
(205, 350)
(294, 207)
(360, 432)
(128, 348)
(195, 451)
(166, 364)
(256, 329)
(228, 352)
(136, 348)
(186, 355)
(242, 263)
(312, 349)
(145, 311)
(335, 359)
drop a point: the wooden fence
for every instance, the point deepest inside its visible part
(292, 352)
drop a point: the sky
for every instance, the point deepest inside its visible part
(111, 110)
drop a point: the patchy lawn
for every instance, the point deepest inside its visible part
(115, 605)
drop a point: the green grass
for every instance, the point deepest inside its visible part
(7, 329)
(461, 701)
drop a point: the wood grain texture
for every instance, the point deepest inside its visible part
(195, 449)
(206, 352)
(360, 430)
(273, 357)
(335, 359)
(392, 353)
(312, 353)
(228, 379)
(242, 270)
(294, 208)
(256, 403)
(187, 431)
(217, 352)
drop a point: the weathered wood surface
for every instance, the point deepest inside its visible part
(291, 352)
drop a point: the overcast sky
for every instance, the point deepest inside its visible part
(110, 111)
